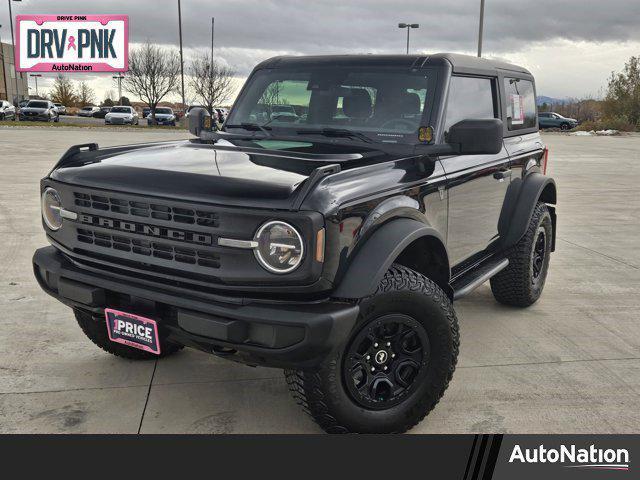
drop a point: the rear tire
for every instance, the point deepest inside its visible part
(522, 282)
(96, 330)
(344, 395)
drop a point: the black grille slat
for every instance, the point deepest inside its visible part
(158, 211)
(146, 248)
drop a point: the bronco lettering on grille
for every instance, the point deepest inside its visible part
(150, 230)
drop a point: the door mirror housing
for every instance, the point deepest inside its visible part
(476, 137)
(200, 120)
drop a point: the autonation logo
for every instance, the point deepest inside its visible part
(573, 457)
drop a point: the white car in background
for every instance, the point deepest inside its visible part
(164, 116)
(121, 115)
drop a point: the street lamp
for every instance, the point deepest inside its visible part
(119, 77)
(408, 26)
(13, 43)
(36, 75)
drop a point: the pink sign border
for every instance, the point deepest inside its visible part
(48, 66)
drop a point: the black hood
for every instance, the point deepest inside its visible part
(196, 172)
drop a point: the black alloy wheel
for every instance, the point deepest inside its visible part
(539, 254)
(386, 361)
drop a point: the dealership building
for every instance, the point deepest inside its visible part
(8, 76)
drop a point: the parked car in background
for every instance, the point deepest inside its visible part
(284, 113)
(88, 111)
(555, 120)
(7, 111)
(102, 112)
(42, 110)
(164, 116)
(121, 115)
(62, 110)
(22, 103)
(145, 112)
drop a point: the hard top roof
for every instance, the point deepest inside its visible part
(460, 63)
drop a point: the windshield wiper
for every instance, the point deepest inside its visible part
(253, 127)
(335, 132)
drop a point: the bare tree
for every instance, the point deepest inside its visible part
(63, 91)
(85, 95)
(153, 73)
(211, 81)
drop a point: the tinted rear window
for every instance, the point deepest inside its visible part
(120, 110)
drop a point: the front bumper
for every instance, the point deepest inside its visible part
(255, 332)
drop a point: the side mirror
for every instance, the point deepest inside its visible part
(476, 137)
(199, 120)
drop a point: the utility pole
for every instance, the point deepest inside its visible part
(13, 42)
(119, 77)
(481, 28)
(36, 75)
(181, 57)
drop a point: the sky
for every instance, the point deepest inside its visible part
(570, 46)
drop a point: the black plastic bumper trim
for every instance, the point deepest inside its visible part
(287, 335)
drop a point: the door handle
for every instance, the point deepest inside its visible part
(502, 174)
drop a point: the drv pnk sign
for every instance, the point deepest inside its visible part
(72, 43)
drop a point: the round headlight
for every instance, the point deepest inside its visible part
(51, 206)
(280, 248)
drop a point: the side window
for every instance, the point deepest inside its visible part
(521, 104)
(469, 98)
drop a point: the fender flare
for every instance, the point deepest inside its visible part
(376, 255)
(520, 201)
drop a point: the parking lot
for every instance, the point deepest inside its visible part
(568, 364)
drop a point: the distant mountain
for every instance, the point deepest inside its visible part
(540, 99)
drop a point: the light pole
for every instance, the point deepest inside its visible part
(119, 77)
(408, 26)
(4, 73)
(481, 28)
(213, 25)
(181, 58)
(36, 76)
(13, 42)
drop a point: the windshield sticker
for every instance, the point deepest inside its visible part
(517, 110)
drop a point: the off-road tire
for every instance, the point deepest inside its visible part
(514, 285)
(96, 331)
(322, 392)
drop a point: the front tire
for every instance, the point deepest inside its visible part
(522, 282)
(96, 330)
(407, 332)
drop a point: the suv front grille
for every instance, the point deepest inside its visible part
(148, 210)
(149, 248)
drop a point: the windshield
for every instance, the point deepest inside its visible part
(164, 111)
(38, 105)
(120, 110)
(384, 104)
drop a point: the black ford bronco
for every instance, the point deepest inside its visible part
(326, 229)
